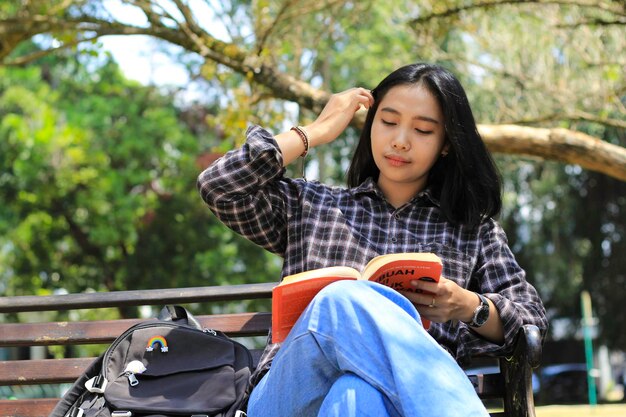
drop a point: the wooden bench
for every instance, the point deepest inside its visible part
(509, 389)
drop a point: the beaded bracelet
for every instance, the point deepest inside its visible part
(305, 139)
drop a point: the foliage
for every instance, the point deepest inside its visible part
(99, 188)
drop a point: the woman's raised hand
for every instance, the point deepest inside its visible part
(333, 120)
(337, 114)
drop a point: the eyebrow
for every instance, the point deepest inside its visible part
(425, 118)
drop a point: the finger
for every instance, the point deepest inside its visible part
(423, 285)
(363, 101)
(423, 300)
(368, 94)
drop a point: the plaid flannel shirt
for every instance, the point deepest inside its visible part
(311, 225)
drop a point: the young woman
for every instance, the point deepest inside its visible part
(421, 180)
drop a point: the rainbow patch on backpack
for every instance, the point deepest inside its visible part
(157, 341)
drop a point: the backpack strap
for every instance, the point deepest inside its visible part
(176, 313)
(75, 412)
(97, 384)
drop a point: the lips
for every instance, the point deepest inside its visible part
(395, 160)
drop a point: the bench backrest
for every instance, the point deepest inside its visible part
(493, 388)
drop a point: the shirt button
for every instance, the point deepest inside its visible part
(393, 240)
(396, 216)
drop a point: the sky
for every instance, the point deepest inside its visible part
(140, 57)
(140, 61)
(137, 54)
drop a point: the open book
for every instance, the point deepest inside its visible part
(396, 271)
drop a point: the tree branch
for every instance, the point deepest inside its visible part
(484, 4)
(146, 8)
(312, 7)
(266, 34)
(593, 22)
(579, 115)
(557, 144)
(25, 59)
(188, 16)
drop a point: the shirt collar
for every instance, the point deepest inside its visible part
(369, 186)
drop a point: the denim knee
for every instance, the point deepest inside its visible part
(363, 295)
(340, 290)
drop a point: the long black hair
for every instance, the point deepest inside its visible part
(466, 181)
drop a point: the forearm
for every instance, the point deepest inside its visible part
(493, 329)
(292, 146)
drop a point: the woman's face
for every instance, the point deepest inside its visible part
(408, 136)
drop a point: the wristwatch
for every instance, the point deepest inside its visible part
(481, 314)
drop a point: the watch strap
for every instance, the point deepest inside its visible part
(477, 316)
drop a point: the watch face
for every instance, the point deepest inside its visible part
(482, 316)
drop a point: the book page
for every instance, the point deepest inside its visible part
(329, 272)
(380, 260)
(396, 271)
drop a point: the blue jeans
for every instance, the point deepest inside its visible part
(359, 349)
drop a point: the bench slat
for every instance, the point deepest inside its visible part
(105, 331)
(42, 371)
(135, 298)
(53, 371)
(68, 370)
(40, 407)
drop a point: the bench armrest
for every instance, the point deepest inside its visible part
(517, 372)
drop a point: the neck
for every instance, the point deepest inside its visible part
(399, 194)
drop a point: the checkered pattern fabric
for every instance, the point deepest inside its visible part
(312, 225)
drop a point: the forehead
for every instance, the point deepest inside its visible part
(414, 100)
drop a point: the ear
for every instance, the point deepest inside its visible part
(445, 149)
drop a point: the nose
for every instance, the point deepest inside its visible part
(401, 143)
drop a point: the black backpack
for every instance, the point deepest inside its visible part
(166, 367)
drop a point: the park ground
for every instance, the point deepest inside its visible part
(604, 410)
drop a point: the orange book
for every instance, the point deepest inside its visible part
(295, 292)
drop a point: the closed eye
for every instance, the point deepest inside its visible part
(420, 131)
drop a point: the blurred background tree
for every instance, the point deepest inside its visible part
(97, 187)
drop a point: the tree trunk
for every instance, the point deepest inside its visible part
(557, 144)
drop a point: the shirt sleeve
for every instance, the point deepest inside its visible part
(499, 277)
(247, 192)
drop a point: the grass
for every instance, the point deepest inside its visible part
(604, 410)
